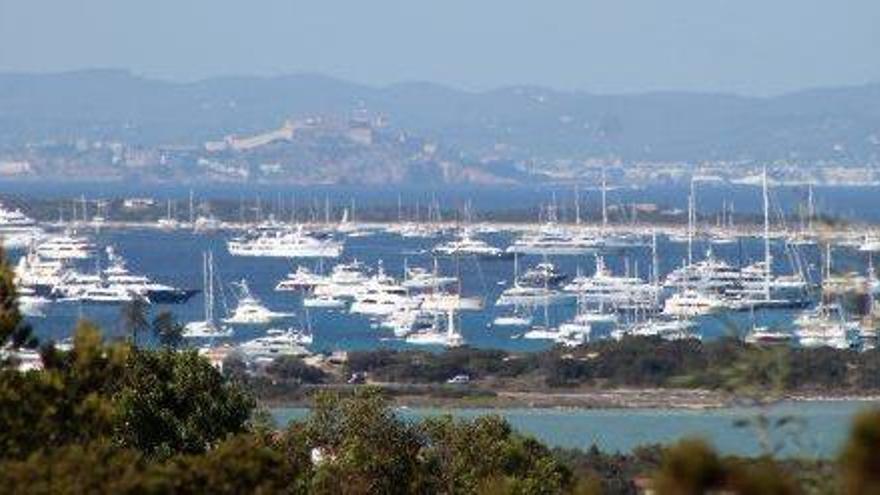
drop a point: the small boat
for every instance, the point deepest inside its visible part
(766, 336)
(513, 320)
(668, 329)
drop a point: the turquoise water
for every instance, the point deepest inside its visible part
(819, 429)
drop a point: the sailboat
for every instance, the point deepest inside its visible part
(209, 327)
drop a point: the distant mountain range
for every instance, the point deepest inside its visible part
(515, 123)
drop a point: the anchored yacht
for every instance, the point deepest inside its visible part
(250, 310)
(303, 279)
(17, 230)
(65, 247)
(691, 302)
(825, 326)
(606, 289)
(276, 343)
(467, 245)
(552, 241)
(117, 274)
(284, 244)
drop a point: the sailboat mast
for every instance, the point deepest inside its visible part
(577, 205)
(691, 221)
(811, 209)
(767, 258)
(655, 267)
(205, 282)
(604, 202)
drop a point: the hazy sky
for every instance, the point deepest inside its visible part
(745, 46)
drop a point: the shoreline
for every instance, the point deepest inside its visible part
(611, 399)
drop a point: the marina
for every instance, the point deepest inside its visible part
(354, 285)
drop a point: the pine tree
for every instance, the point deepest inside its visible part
(14, 331)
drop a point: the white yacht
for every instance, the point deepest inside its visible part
(346, 280)
(418, 230)
(519, 295)
(17, 230)
(65, 247)
(284, 244)
(324, 302)
(584, 320)
(107, 294)
(276, 343)
(532, 296)
(691, 302)
(74, 284)
(168, 222)
(708, 275)
(467, 245)
(606, 289)
(39, 274)
(405, 321)
(117, 274)
(516, 319)
(417, 278)
(554, 241)
(250, 310)
(544, 274)
(303, 279)
(540, 332)
(871, 244)
(207, 223)
(668, 329)
(381, 300)
(208, 328)
(573, 334)
(435, 335)
(767, 336)
(825, 326)
(30, 304)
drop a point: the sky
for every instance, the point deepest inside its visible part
(754, 47)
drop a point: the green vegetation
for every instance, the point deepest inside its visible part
(724, 364)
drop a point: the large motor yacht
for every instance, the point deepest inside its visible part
(284, 244)
(117, 274)
(250, 310)
(603, 288)
(467, 245)
(65, 247)
(276, 343)
(17, 230)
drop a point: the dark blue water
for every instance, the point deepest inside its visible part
(175, 258)
(820, 429)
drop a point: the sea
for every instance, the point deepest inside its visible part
(176, 258)
(812, 429)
